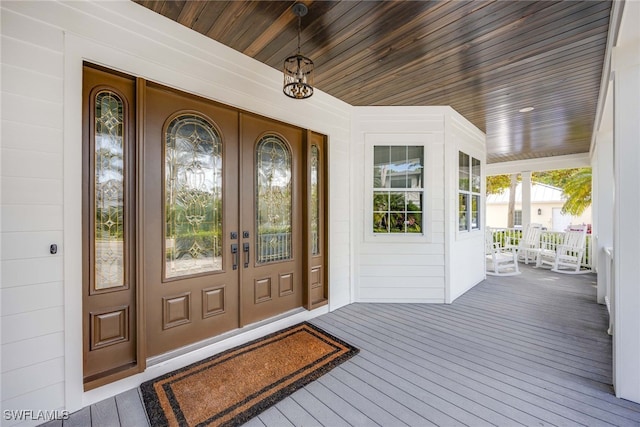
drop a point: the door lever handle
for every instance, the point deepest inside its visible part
(245, 248)
(234, 252)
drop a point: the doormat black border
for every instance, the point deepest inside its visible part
(157, 415)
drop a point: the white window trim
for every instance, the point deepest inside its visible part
(481, 212)
(408, 139)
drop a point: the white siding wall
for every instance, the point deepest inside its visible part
(465, 250)
(43, 46)
(403, 268)
(32, 315)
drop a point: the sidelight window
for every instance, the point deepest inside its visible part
(109, 188)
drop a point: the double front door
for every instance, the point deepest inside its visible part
(199, 219)
(223, 219)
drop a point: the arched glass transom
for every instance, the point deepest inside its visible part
(193, 197)
(109, 191)
(273, 200)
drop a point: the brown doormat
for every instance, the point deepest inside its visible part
(238, 384)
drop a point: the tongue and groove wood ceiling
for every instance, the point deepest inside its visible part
(486, 59)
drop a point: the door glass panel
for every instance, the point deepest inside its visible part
(109, 191)
(315, 201)
(273, 200)
(193, 197)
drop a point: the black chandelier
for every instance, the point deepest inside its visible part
(298, 69)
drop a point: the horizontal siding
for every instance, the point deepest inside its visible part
(32, 351)
(400, 293)
(422, 249)
(404, 281)
(19, 54)
(33, 191)
(32, 324)
(389, 269)
(23, 380)
(31, 84)
(402, 260)
(31, 289)
(28, 298)
(50, 397)
(395, 271)
(31, 271)
(38, 165)
(26, 218)
(24, 245)
(31, 136)
(32, 111)
(33, 32)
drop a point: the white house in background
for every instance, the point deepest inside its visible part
(44, 47)
(546, 208)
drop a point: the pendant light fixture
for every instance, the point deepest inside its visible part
(298, 69)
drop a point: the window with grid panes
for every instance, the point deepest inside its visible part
(398, 189)
(469, 192)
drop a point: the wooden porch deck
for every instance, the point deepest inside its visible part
(522, 350)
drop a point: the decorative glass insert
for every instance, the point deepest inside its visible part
(401, 168)
(315, 200)
(109, 190)
(469, 188)
(193, 197)
(273, 200)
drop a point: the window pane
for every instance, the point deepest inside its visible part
(463, 203)
(381, 201)
(315, 200)
(273, 200)
(398, 167)
(380, 222)
(381, 162)
(414, 222)
(397, 222)
(193, 197)
(517, 217)
(414, 201)
(475, 212)
(415, 166)
(475, 175)
(463, 171)
(396, 201)
(109, 191)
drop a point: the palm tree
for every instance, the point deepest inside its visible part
(577, 189)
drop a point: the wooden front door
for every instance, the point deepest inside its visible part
(198, 219)
(271, 223)
(190, 219)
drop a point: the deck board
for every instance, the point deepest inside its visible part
(521, 350)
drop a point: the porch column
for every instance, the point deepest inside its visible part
(603, 206)
(626, 338)
(526, 198)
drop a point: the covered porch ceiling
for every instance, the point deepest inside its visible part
(486, 59)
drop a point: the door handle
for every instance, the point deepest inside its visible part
(234, 252)
(245, 248)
